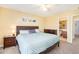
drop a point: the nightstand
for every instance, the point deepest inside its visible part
(51, 31)
(9, 41)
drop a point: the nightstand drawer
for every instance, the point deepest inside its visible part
(11, 41)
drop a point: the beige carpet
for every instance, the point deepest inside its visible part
(10, 50)
(65, 48)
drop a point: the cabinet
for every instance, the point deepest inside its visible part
(9, 41)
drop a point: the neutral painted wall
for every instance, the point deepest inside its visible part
(9, 19)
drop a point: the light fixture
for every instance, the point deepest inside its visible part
(13, 32)
(45, 7)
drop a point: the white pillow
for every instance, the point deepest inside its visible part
(24, 32)
(37, 30)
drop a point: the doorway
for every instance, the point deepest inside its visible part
(63, 29)
(76, 26)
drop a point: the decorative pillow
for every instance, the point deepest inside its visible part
(37, 30)
(24, 32)
(32, 31)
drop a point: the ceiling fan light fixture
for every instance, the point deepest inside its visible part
(45, 7)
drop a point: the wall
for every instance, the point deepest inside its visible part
(11, 18)
(51, 22)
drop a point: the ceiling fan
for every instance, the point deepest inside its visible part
(45, 7)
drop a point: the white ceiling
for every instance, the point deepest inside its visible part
(36, 10)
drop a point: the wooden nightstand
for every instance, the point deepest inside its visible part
(9, 41)
(51, 31)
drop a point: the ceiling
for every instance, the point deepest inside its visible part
(36, 10)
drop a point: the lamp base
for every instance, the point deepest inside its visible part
(13, 34)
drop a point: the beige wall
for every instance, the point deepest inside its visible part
(51, 22)
(11, 18)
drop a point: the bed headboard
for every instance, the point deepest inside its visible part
(18, 28)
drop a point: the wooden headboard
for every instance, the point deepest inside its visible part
(18, 28)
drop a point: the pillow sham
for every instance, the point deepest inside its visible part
(32, 31)
(37, 30)
(24, 31)
(29, 31)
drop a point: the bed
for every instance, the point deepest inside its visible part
(35, 43)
